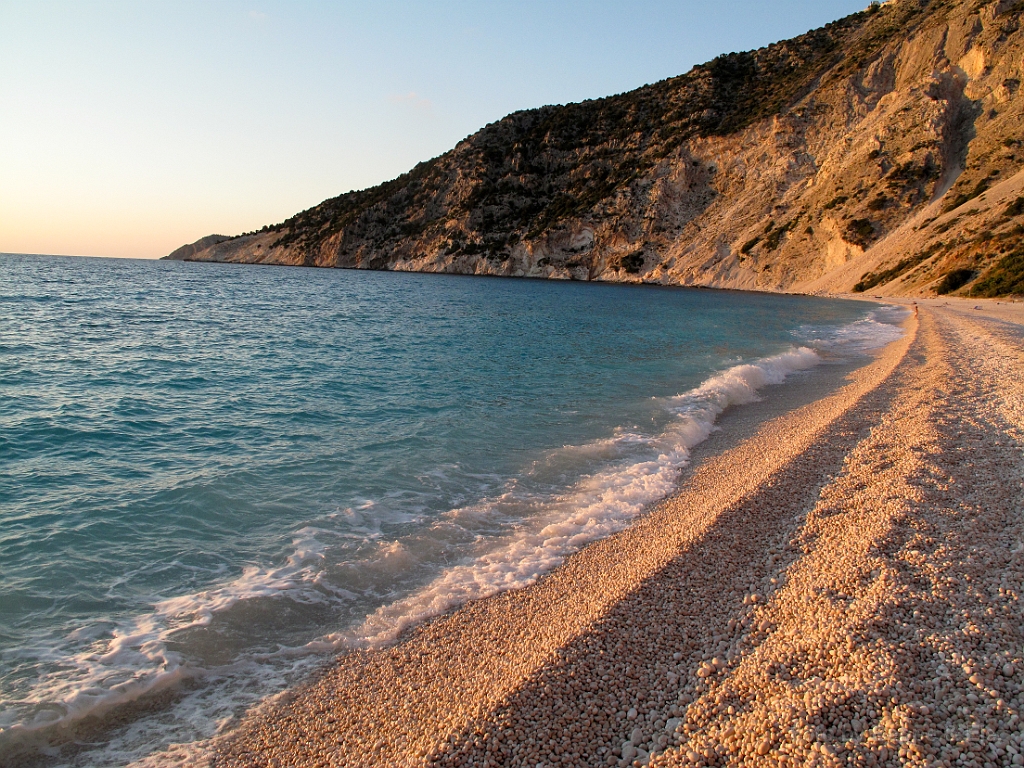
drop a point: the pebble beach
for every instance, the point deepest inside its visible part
(842, 587)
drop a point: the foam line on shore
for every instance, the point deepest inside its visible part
(598, 506)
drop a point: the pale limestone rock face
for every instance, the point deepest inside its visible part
(852, 174)
(973, 64)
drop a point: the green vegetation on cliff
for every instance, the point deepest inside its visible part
(1004, 279)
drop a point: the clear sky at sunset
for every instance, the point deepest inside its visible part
(130, 128)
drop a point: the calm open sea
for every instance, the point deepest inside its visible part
(213, 476)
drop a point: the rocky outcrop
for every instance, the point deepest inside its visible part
(188, 252)
(880, 152)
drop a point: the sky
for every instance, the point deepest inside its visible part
(131, 128)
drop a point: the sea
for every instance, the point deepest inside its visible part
(214, 477)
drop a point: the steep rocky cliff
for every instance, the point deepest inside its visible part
(882, 152)
(187, 252)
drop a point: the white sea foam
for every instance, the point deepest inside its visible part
(880, 327)
(134, 660)
(599, 504)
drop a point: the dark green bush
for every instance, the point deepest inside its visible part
(1006, 278)
(749, 245)
(860, 232)
(771, 242)
(954, 280)
(1016, 208)
(871, 279)
(980, 188)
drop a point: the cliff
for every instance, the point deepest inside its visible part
(188, 252)
(882, 152)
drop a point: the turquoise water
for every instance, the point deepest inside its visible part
(212, 476)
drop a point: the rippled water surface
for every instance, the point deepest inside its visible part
(212, 475)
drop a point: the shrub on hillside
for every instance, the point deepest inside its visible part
(860, 232)
(1006, 278)
(954, 280)
(1016, 208)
